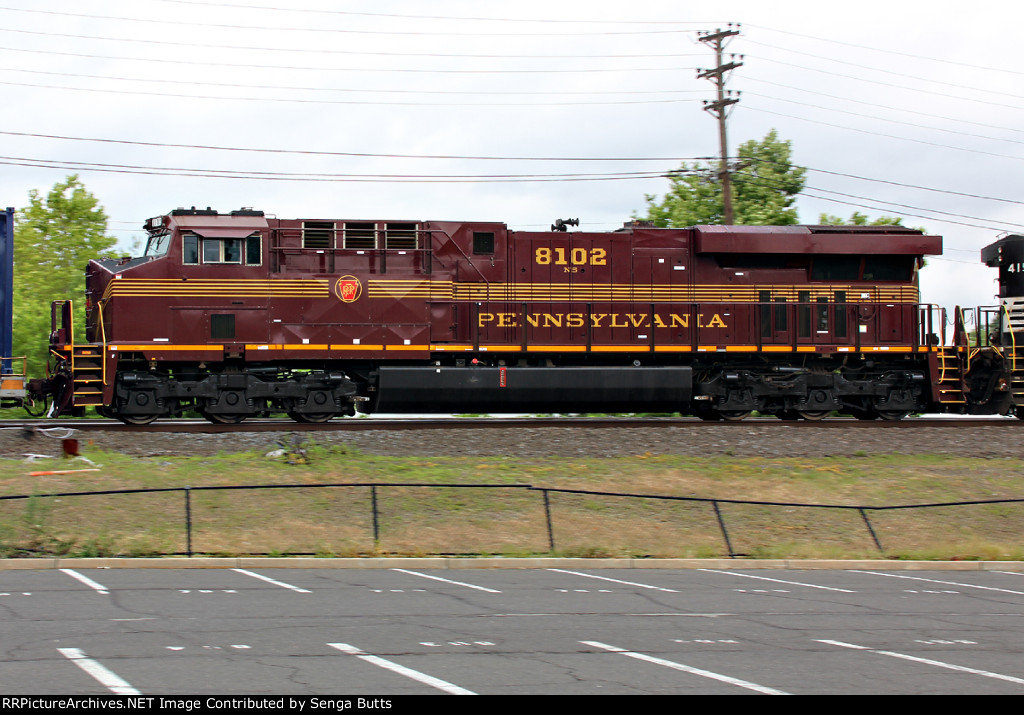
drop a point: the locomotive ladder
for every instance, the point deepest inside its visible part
(1017, 375)
(1015, 354)
(948, 367)
(87, 374)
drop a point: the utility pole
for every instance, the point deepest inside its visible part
(719, 107)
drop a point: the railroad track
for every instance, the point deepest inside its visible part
(433, 423)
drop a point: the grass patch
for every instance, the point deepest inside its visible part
(498, 517)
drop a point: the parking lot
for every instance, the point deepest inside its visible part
(404, 631)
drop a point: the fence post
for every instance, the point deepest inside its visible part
(721, 525)
(188, 521)
(547, 518)
(864, 515)
(376, 523)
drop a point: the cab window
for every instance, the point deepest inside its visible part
(198, 249)
(157, 245)
(222, 250)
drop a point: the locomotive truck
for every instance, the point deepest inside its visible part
(240, 314)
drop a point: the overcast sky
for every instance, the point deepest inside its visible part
(336, 108)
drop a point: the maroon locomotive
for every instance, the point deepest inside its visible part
(239, 315)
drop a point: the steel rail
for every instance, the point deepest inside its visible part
(435, 423)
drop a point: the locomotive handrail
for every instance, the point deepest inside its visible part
(7, 364)
(303, 249)
(927, 313)
(12, 384)
(960, 335)
(1013, 340)
(103, 343)
(58, 306)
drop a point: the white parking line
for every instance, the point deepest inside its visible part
(445, 580)
(945, 583)
(86, 580)
(430, 680)
(107, 678)
(777, 580)
(688, 669)
(928, 661)
(615, 580)
(282, 584)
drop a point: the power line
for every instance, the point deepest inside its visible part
(303, 152)
(916, 208)
(888, 136)
(308, 50)
(286, 176)
(891, 52)
(876, 104)
(341, 31)
(243, 66)
(916, 78)
(904, 213)
(895, 86)
(878, 204)
(337, 89)
(891, 183)
(296, 100)
(368, 53)
(885, 119)
(309, 176)
(350, 13)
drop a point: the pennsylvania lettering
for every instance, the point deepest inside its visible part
(600, 320)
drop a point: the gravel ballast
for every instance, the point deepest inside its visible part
(748, 439)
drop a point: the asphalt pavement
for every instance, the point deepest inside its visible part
(562, 629)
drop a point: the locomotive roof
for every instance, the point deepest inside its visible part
(221, 221)
(708, 239)
(847, 240)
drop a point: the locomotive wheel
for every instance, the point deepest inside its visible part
(812, 415)
(137, 419)
(893, 415)
(223, 419)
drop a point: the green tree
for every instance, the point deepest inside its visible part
(54, 238)
(765, 187)
(859, 219)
